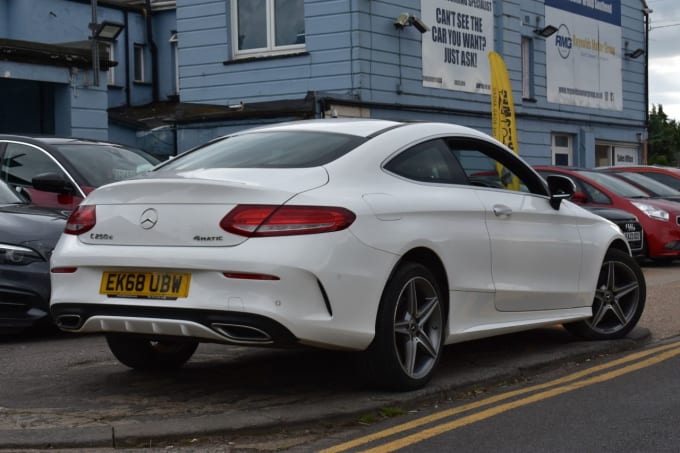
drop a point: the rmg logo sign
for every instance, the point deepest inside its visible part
(563, 41)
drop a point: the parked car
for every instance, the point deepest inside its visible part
(659, 218)
(650, 186)
(362, 235)
(28, 234)
(666, 175)
(60, 172)
(628, 223)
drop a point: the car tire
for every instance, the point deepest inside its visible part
(144, 354)
(619, 299)
(409, 333)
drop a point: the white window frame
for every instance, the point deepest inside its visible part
(111, 74)
(174, 42)
(271, 49)
(568, 150)
(139, 63)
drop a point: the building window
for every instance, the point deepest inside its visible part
(175, 52)
(527, 65)
(562, 149)
(280, 30)
(615, 154)
(111, 75)
(139, 63)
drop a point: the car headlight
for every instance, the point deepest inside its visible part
(652, 211)
(14, 254)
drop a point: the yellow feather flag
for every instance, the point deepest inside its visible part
(503, 123)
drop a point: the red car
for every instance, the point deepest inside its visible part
(659, 218)
(666, 175)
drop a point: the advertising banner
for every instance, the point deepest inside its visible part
(503, 123)
(455, 48)
(584, 57)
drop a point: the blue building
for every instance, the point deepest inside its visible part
(209, 67)
(53, 79)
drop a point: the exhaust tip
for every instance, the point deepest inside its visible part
(69, 322)
(239, 333)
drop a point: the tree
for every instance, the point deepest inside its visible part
(664, 138)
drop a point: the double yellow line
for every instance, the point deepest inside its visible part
(538, 392)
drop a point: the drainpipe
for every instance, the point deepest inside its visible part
(645, 149)
(154, 52)
(127, 60)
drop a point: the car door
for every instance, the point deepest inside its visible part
(535, 249)
(21, 162)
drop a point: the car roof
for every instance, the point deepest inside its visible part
(362, 127)
(53, 140)
(652, 168)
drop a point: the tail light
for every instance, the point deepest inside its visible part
(82, 220)
(269, 220)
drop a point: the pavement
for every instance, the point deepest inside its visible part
(91, 401)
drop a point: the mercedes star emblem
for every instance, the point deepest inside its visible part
(148, 219)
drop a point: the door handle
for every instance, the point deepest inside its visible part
(500, 210)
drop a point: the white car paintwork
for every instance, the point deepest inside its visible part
(528, 266)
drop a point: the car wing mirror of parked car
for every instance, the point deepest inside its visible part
(53, 182)
(561, 188)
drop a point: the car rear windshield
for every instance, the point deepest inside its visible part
(271, 149)
(100, 164)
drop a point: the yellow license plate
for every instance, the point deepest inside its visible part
(150, 285)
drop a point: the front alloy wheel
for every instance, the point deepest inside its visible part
(409, 330)
(619, 299)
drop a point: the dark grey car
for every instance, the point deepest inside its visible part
(28, 234)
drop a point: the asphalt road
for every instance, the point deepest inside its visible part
(65, 391)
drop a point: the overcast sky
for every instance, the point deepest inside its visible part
(664, 56)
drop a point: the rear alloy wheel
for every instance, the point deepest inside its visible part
(619, 299)
(409, 330)
(144, 354)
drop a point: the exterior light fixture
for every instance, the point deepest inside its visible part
(546, 31)
(106, 31)
(635, 54)
(406, 19)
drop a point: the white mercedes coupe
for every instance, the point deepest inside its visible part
(390, 239)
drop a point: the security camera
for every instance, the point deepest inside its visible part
(419, 24)
(403, 20)
(406, 19)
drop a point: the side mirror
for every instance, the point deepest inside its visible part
(53, 182)
(560, 188)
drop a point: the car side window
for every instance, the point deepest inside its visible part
(488, 166)
(594, 194)
(20, 163)
(427, 162)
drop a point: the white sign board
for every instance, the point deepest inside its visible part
(456, 48)
(625, 155)
(584, 57)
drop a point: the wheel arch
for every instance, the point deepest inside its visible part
(429, 259)
(620, 244)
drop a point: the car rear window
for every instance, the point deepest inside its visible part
(277, 149)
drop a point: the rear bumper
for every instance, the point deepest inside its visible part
(326, 294)
(206, 325)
